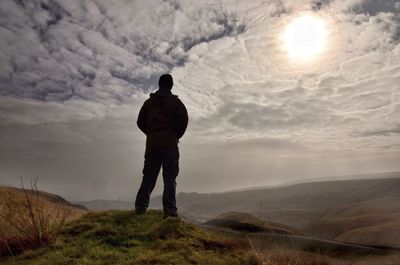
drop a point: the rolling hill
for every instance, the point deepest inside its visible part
(373, 222)
(296, 205)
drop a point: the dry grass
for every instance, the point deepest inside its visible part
(276, 254)
(281, 256)
(28, 221)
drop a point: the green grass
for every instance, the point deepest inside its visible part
(120, 237)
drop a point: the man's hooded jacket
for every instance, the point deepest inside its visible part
(163, 118)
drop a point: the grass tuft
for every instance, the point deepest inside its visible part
(28, 221)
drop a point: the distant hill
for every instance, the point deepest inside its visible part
(246, 222)
(101, 205)
(48, 197)
(374, 222)
(296, 205)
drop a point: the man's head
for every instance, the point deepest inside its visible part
(165, 82)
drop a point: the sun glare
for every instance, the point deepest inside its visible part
(305, 37)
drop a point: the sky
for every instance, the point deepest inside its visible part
(74, 74)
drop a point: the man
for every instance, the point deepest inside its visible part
(163, 118)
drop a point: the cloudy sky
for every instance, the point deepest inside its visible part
(73, 75)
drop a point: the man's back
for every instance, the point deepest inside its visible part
(163, 118)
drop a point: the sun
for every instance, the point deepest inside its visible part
(305, 37)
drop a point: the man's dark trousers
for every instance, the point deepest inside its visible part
(154, 159)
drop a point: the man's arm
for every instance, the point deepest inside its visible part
(142, 119)
(181, 119)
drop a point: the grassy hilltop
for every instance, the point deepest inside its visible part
(120, 237)
(39, 228)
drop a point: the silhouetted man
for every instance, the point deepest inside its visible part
(163, 118)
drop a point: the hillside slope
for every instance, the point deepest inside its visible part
(46, 196)
(373, 222)
(120, 237)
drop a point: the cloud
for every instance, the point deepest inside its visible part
(251, 88)
(92, 50)
(393, 130)
(368, 6)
